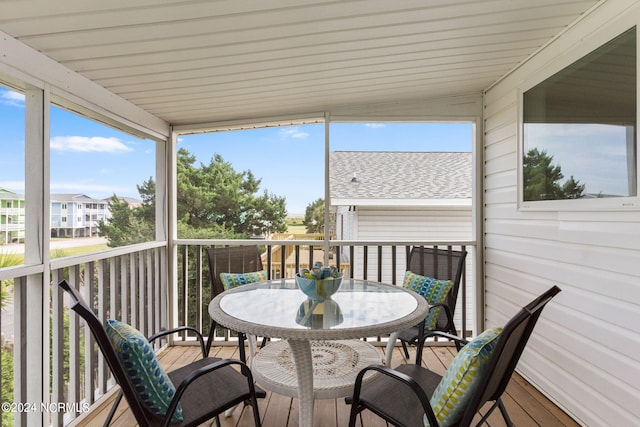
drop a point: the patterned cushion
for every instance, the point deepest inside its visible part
(453, 393)
(433, 290)
(232, 280)
(149, 380)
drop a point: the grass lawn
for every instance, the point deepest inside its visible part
(295, 225)
(60, 253)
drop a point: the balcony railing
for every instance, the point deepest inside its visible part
(132, 284)
(380, 261)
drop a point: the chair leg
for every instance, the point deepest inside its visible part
(243, 355)
(212, 331)
(406, 350)
(112, 412)
(505, 415)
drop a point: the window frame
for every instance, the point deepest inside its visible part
(564, 61)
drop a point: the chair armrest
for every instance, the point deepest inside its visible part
(189, 379)
(165, 332)
(402, 378)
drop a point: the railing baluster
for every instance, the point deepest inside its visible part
(148, 274)
(379, 263)
(185, 290)
(139, 281)
(73, 393)
(57, 347)
(199, 301)
(89, 353)
(124, 279)
(103, 300)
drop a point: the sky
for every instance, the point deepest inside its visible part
(594, 154)
(96, 160)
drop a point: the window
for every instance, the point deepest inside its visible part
(579, 128)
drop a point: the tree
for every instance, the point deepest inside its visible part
(542, 179)
(314, 216)
(216, 195)
(147, 193)
(214, 201)
(126, 226)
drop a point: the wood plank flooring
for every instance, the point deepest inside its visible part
(526, 405)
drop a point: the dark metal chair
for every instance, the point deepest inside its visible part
(401, 396)
(204, 388)
(232, 259)
(441, 264)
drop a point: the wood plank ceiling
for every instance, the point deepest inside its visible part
(195, 61)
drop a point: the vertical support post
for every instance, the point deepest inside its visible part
(170, 204)
(36, 293)
(327, 189)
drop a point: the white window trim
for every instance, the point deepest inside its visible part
(605, 203)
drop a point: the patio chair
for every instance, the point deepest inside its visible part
(232, 259)
(187, 396)
(440, 264)
(411, 395)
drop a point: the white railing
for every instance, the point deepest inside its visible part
(129, 284)
(383, 261)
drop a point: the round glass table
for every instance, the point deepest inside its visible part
(312, 329)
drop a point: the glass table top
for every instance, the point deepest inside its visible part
(279, 304)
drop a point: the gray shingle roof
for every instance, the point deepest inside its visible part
(400, 175)
(73, 197)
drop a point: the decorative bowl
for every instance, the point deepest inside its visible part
(318, 289)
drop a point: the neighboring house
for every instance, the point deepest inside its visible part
(376, 194)
(11, 217)
(72, 215)
(76, 215)
(382, 196)
(132, 203)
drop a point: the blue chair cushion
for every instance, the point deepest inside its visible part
(433, 290)
(233, 280)
(462, 378)
(150, 382)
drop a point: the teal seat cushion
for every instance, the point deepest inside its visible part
(433, 290)
(233, 280)
(150, 382)
(462, 378)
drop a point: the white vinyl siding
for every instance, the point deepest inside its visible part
(410, 224)
(585, 350)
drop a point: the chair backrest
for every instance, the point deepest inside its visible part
(442, 264)
(99, 333)
(231, 259)
(506, 354)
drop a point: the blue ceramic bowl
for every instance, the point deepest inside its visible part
(319, 290)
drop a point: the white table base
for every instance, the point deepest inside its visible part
(312, 370)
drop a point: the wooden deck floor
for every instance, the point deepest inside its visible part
(526, 406)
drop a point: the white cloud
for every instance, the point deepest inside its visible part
(88, 144)
(293, 132)
(374, 125)
(91, 189)
(13, 99)
(14, 186)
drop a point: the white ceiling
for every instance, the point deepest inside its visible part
(196, 61)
